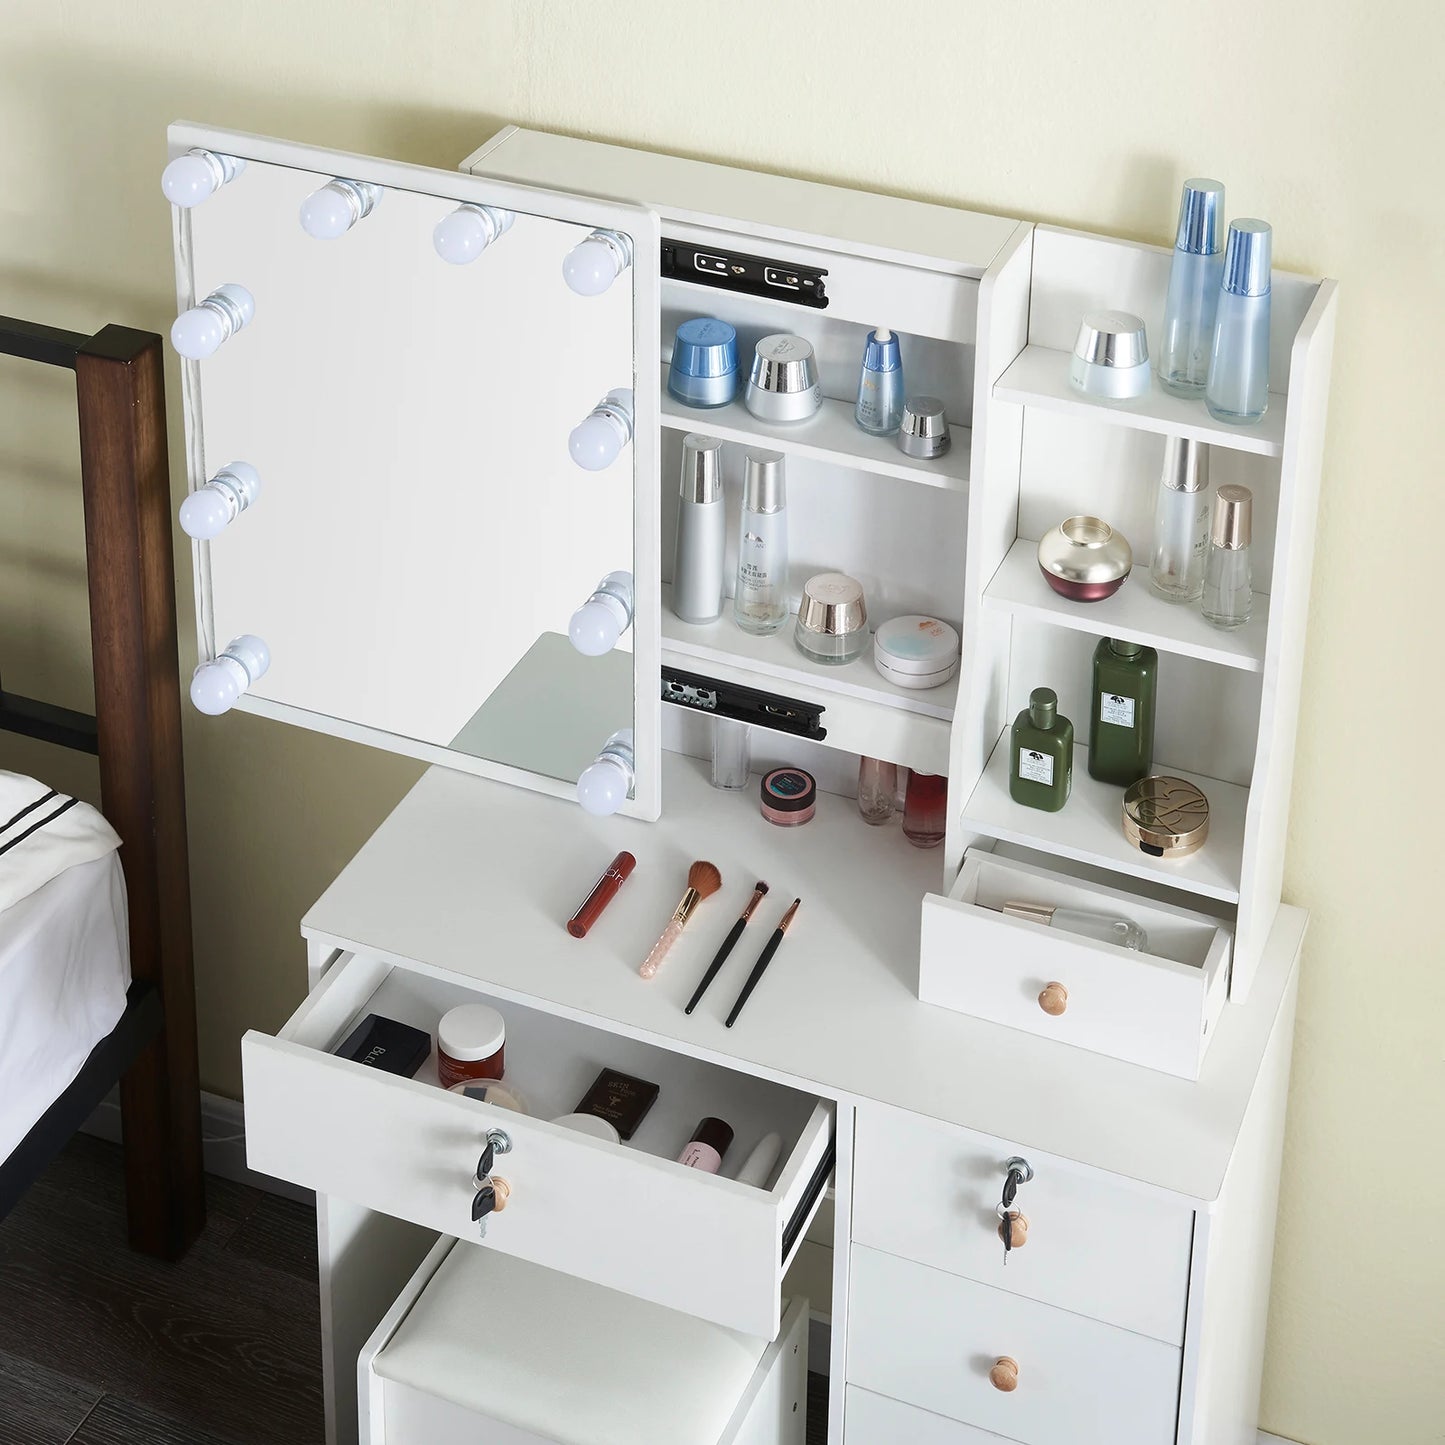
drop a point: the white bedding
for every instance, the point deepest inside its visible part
(64, 971)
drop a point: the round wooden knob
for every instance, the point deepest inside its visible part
(1005, 1374)
(1020, 1235)
(503, 1192)
(1054, 999)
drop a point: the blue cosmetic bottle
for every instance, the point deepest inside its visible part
(1194, 279)
(880, 387)
(704, 370)
(1238, 387)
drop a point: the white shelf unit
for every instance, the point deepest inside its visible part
(1228, 701)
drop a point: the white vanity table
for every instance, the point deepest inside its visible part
(1135, 1310)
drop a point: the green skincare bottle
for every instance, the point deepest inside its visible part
(1041, 761)
(1121, 711)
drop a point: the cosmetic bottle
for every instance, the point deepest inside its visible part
(1041, 754)
(1228, 586)
(760, 598)
(880, 385)
(877, 790)
(471, 1044)
(704, 369)
(1121, 711)
(697, 564)
(1238, 386)
(1102, 927)
(925, 809)
(1193, 296)
(1181, 522)
(710, 1141)
(731, 753)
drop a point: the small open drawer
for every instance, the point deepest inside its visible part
(480, 1349)
(1157, 1007)
(622, 1215)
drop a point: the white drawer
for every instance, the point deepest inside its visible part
(1159, 1009)
(930, 1339)
(481, 1349)
(626, 1216)
(1096, 1245)
(870, 1419)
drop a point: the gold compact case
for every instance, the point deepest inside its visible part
(1166, 817)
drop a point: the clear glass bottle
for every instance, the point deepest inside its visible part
(1238, 386)
(1181, 522)
(1194, 278)
(925, 809)
(1102, 927)
(1228, 587)
(760, 598)
(877, 790)
(731, 753)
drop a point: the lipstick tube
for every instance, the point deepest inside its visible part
(617, 872)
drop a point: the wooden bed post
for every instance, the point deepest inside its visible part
(120, 388)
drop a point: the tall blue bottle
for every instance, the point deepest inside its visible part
(1194, 281)
(1238, 386)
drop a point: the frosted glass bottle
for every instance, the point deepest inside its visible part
(1181, 522)
(1102, 927)
(1238, 388)
(760, 598)
(1228, 586)
(1194, 281)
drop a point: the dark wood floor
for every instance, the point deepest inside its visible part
(100, 1346)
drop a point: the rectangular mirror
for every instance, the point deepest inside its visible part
(416, 535)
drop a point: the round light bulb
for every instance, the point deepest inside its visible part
(596, 627)
(461, 237)
(328, 213)
(215, 685)
(205, 513)
(189, 179)
(596, 442)
(591, 266)
(199, 332)
(602, 789)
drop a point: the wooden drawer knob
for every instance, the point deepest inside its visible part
(1054, 999)
(1005, 1374)
(1020, 1235)
(504, 1193)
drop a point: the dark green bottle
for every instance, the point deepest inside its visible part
(1041, 754)
(1121, 711)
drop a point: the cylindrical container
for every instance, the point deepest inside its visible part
(1166, 817)
(832, 619)
(759, 1165)
(1181, 522)
(1121, 711)
(1194, 277)
(1103, 927)
(783, 385)
(877, 790)
(923, 429)
(925, 809)
(1111, 356)
(704, 370)
(617, 872)
(916, 651)
(493, 1091)
(879, 408)
(710, 1141)
(593, 1125)
(760, 594)
(731, 753)
(471, 1044)
(1228, 598)
(789, 797)
(1085, 559)
(1238, 387)
(697, 561)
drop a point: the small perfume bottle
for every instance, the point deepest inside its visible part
(1228, 588)
(1238, 386)
(1194, 277)
(1181, 522)
(760, 598)
(1121, 711)
(925, 809)
(877, 790)
(880, 385)
(1041, 754)
(1102, 927)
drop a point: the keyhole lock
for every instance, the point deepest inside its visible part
(492, 1191)
(1013, 1225)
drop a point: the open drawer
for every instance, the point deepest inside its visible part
(1157, 1007)
(622, 1215)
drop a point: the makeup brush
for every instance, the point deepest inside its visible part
(703, 880)
(761, 966)
(759, 892)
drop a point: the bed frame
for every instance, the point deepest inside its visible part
(136, 733)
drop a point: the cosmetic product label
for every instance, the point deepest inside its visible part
(1116, 709)
(701, 1156)
(1036, 767)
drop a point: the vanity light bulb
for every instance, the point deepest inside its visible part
(597, 441)
(604, 785)
(199, 332)
(210, 509)
(337, 207)
(591, 266)
(463, 236)
(598, 624)
(190, 179)
(216, 684)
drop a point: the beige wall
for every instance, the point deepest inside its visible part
(1324, 117)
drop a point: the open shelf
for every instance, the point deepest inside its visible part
(1088, 827)
(1133, 612)
(1039, 377)
(830, 436)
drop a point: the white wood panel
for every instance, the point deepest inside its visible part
(877, 1420)
(929, 1339)
(928, 1192)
